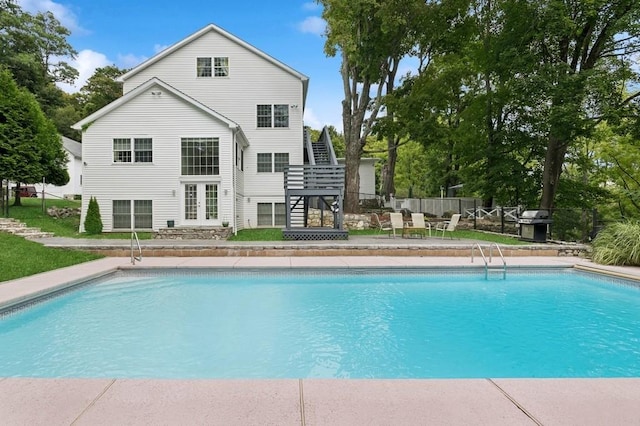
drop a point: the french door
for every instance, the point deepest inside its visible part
(200, 204)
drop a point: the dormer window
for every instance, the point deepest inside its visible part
(219, 67)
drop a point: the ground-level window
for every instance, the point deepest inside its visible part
(272, 214)
(141, 215)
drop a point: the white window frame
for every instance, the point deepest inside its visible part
(272, 116)
(128, 150)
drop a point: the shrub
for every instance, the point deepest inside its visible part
(93, 221)
(618, 244)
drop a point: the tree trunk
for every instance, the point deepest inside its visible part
(389, 183)
(556, 150)
(16, 200)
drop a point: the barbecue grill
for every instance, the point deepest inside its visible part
(534, 225)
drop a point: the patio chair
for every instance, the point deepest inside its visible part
(386, 227)
(396, 223)
(418, 226)
(449, 225)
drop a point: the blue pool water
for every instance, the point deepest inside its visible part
(345, 324)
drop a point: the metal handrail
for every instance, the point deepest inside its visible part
(134, 237)
(484, 258)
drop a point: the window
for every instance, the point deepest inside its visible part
(264, 163)
(142, 150)
(203, 67)
(280, 214)
(142, 217)
(200, 156)
(121, 150)
(264, 214)
(143, 214)
(273, 116)
(121, 214)
(272, 214)
(264, 115)
(221, 67)
(281, 116)
(280, 160)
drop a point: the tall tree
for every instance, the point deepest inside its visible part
(30, 147)
(101, 89)
(370, 36)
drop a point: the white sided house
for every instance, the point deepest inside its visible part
(200, 137)
(73, 188)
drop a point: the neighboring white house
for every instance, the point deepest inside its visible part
(199, 137)
(367, 171)
(73, 150)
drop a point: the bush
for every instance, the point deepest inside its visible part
(618, 244)
(93, 221)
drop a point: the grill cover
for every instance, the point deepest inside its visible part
(535, 216)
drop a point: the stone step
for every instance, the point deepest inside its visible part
(15, 227)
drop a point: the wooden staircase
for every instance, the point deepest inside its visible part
(15, 227)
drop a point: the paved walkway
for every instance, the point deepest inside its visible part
(308, 401)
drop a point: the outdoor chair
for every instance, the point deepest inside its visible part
(449, 225)
(386, 227)
(418, 226)
(396, 223)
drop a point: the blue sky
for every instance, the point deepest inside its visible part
(125, 33)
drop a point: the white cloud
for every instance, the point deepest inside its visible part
(311, 6)
(86, 63)
(63, 14)
(313, 25)
(311, 120)
(157, 48)
(129, 60)
(330, 117)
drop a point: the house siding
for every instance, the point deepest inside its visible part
(252, 80)
(166, 119)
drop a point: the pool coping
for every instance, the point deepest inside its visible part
(309, 401)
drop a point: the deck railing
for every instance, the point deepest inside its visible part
(314, 177)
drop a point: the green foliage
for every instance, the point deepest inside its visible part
(34, 258)
(30, 147)
(93, 221)
(618, 244)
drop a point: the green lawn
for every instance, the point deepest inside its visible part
(275, 234)
(31, 213)
(21, 258)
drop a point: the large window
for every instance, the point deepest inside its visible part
(200, 156)
(219, 67)
(272, 116)
(272, 214)
(142, 151)
(141, 216)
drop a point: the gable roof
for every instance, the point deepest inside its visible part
(161, 84)
(74, 148)
(211, 27)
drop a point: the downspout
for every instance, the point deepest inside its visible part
(234, 149)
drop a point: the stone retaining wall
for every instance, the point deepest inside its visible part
(193, 233)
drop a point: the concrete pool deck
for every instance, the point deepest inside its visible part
(309, 401)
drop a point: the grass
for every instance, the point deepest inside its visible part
(275, 234)
(32, 215)
(20, 258)
(618, 244)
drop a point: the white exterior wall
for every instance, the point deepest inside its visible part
(73, 187)
(166, 119)
(252, 80)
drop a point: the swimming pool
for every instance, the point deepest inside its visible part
(341, 323)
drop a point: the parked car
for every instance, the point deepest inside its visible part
(27, 191)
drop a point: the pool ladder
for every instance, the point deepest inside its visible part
(487, 266)
(134, 238)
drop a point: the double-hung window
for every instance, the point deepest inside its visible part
(268, 162)
(272, 214)
(212, 67)
(272, 116)
(141, 216)
(140, 152)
